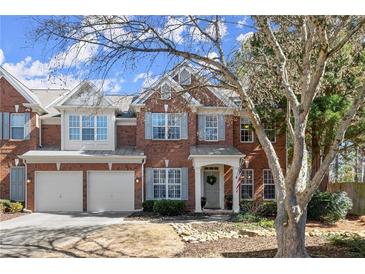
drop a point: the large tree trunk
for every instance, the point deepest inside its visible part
(290, 234)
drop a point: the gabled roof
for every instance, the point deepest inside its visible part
(21, 88)
(85, 94)
(165, 79)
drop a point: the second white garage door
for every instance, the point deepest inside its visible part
(110, 191)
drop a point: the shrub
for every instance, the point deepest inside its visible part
(246, 217)
(329, 207)
(169, 207)
(355, 244)
(248, 206)
(265, 223)
(267, 209)
(2, 208)
(16, 207)
(6, 203)
(148, 205)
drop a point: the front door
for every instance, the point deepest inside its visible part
(211, 188)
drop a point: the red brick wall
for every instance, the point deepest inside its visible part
(9, 150)
(51, 135)
(126, 136)
(31, 168)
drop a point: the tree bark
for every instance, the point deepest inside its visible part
(290, 234)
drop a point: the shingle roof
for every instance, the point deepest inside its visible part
(214, 150)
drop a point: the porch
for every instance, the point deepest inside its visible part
(208, 162)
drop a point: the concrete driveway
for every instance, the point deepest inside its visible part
(25, 235)
(40, 235)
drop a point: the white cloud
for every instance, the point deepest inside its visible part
(241, 23)
(210, 30)
(148, 79)
(173, 30)
(243, 37)
(35, 74)
(2, 57)
(212, 55)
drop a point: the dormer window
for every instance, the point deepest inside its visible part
(185, 77)
(165, 92)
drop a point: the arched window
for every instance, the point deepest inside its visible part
(185, 77)
(165, 92)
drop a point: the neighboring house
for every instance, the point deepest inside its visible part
(76, 150)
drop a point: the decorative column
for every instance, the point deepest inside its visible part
(198, 189)
(235, 191)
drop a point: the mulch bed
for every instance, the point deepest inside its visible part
(258, 247)
(9, 216)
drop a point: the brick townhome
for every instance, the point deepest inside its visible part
(76, 150)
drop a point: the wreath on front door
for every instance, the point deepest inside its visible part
(211, 179)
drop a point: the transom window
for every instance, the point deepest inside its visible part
(185, 77)
(246, 130)
(270, 132)
(165, 92)
(91, 127)
(247, 184)
(211, 127)
(167, 183)
(17, 124)
(269, 185)
(166, 126)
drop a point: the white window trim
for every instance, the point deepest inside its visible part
(274, 129)
(253, 186)
(263, 183)
(80, 128)
(252, 133)
(189, 83)
(167, 183)
(166, 126)
(205, 129)
(11, 126)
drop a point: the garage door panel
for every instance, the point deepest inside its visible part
(110, 191)
(58, 191)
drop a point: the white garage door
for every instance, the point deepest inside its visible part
(110, 191)
(58, 191)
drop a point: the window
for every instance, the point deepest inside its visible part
(270, 132)
(159, 183)
(246, 131)
(101, 128)
(167, 183)
(185, 77)
(211, 127)
(165, 92)
(166, 126)
(88, 130)
(91, 127)
(247, 184)
(74, 127)
(269, 186)
(17, 123)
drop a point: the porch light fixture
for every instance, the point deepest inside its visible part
(137, 180)
(16, 161)
(166, 163)
(16, 108)
(29, 181)
(247, 162)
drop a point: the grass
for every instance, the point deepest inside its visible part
(355, 244)
(253, 219)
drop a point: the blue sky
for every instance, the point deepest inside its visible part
(29, 61)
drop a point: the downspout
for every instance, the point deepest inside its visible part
(40, 131)
(142, 179)
(25, 184)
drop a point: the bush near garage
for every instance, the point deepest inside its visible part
(148, 205)
(16, 207)
(169, 207)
